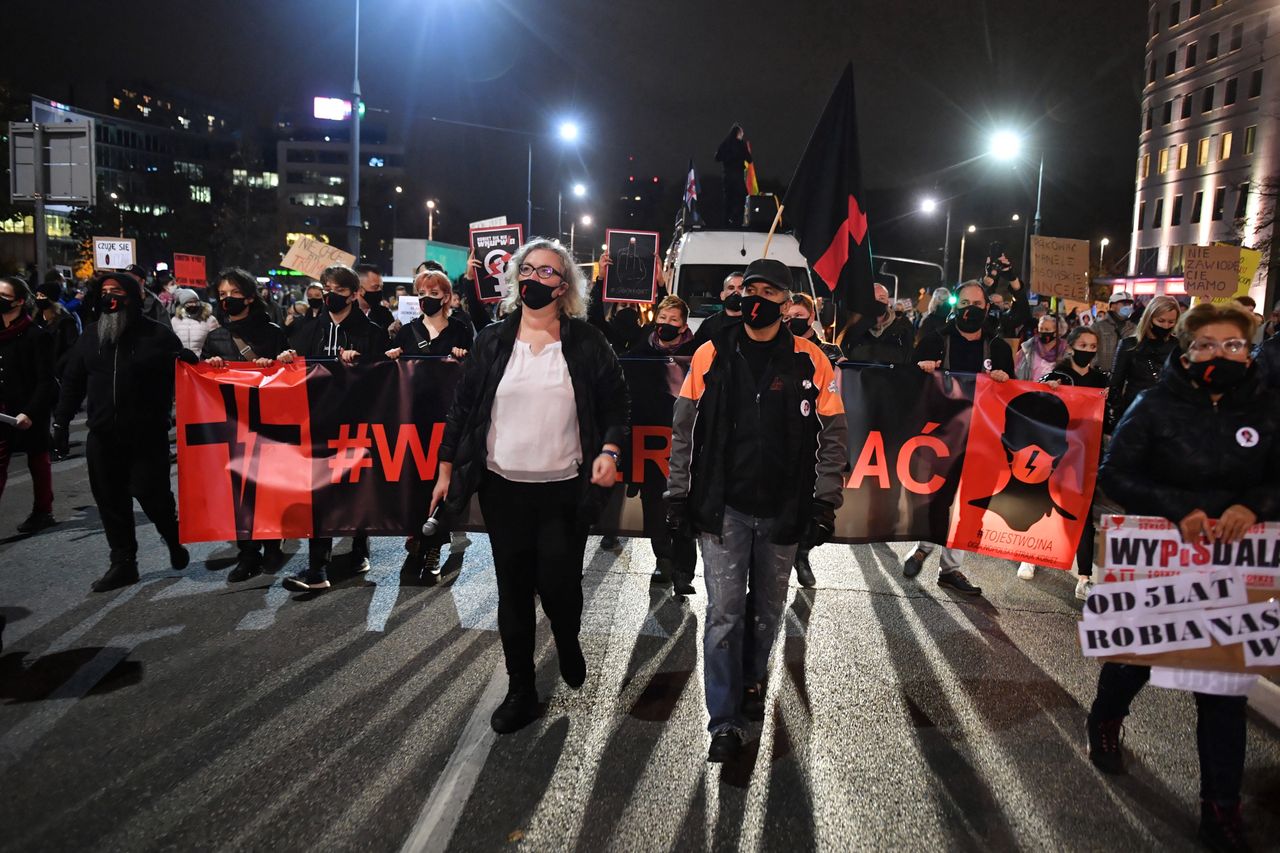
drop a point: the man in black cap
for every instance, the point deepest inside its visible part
(124, 364)
(758, 450)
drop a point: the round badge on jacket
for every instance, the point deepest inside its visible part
(805, 408)
(1247, 437)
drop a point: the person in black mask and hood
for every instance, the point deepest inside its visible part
(1141, 356)
(247, 334)
(963, 345)
(124, 364)
(731, 298)
(1202, 444)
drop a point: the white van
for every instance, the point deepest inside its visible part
(701, 260)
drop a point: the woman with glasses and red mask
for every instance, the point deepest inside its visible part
(538, 421)
(1202, 449)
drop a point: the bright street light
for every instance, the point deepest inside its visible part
(569, 131)
(1005, 145)
(1102, 251)
(431, 204)
(586, 219)
(399, 189)
(1017, 218)
(929, 205)
(579, 190)
(972, 229)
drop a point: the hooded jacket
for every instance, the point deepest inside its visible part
(129, 384)
(813, 443)
(1176, 450)
(320, 337)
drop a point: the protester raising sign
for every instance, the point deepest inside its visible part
(1060, 267)
(311, 257)
(493, 247)
(632, 274)
(1211, 271)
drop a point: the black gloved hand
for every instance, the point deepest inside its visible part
(61, 440)
(633, 489)
(678, 515)
(821, 525)
(188, 357)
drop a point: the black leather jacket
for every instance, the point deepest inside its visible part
(600, 393)
(1137, 368)
(1175, 450)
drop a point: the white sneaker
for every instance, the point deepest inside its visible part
(1083, 585)
(1027, 571)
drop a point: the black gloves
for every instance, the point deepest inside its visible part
(822, 525)
(678, 516)
(188, 357)
(61, 440)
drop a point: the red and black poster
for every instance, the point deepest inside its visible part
(493, 247)
(326, 449)
(632, 274)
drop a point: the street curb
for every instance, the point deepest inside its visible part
(1265, 699)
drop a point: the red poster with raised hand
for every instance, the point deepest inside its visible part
(244, 437)
(1029, 471)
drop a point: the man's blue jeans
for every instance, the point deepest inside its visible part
(746, 578)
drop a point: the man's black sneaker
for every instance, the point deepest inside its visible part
(179, 557)
(308, 580)
(246, 567)
(753, 702)
(431, 564)
(1104, 745)
(661, 572)
(36, 522)
(724, 746)
(273, 559)
(804, 572)
(573, 666)
(913, 564)
(121, 573)
(958, 582)
(518, 710)
(1222, 828)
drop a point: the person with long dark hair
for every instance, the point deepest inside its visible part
(1202, 449)
(537, 424)
(27, 392)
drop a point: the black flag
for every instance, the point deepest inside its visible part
(824, 206)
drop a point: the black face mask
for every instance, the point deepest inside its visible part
(193, 309)
(733, 302)
(760, 313)
(42, 303)
(315, 303)
(335, 302)
(1160, 332)
(113, 302)
(1082, 358)
(667, 332)
(6, 305)
(232, 305)
(970, 319)
(431, 305)
(1218, 374)
(373, 297)
(535, 295)
(1047, 338)
(798, 326)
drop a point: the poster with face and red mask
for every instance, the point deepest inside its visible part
(1030, 466)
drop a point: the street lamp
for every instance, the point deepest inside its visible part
(586, 223)
(1102, 251)
(579, 191)
(395, 202)
(928, 206)
(569, 131)
(972, 229)
(119, 211)
(431, 218)
(353, 194)
(1005, 145)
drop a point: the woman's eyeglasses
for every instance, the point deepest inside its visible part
(1231, 346)
(543, 273)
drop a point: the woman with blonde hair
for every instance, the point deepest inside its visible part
(538, 421)
(1141, 356)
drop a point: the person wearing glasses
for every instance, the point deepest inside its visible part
(1202, 449)
(538, 420)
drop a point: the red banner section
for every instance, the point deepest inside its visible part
(1030, 463)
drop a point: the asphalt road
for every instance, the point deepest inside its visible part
(183, 713)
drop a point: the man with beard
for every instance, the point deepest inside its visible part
(124, 364)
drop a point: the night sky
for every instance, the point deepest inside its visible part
(662, 81)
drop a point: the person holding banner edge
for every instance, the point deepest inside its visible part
(963, 345)
(537, 424)
(247, 336)
(758, 450)
(1203, 444)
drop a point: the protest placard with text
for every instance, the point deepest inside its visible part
(1212, 271)
(312, 257)
(1060, 267)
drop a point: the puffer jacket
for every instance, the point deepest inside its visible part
(599, 390)
(193, 330)
(814, 448)
(1138, 367)
(1176, 450)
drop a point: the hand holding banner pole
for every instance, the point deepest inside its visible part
(777, 217)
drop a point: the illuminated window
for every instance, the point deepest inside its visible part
(1224, 150)
(1182, 156)
(200, 193)
(1144, 168)
(1202, 152)
(1162, 162)
(1250, 137)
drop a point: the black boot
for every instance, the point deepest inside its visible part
(36, 522)
(1221, 828)
(1104, 744)
(518, 710)
(573, 665)
(249, 564)
(122, 572)
(179, 557)
(804, 573)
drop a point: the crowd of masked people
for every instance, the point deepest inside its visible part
(759, 439)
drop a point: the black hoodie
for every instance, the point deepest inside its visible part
(264, 338)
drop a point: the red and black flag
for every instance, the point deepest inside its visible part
(824, 205)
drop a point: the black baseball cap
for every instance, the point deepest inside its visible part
(773, 271)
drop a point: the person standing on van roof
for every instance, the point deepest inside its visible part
(734, 155)
(731, 298)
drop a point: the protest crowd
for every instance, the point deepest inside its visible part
(759, 454)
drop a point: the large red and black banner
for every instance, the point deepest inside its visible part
(326, 449)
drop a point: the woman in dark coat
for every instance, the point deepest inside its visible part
(27, 393)
(1141, 357)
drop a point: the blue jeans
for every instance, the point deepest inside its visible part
(746, 577)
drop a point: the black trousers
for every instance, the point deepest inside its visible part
(538, 543)
(1084, 551)
(124, 467)
(320, 550)
(1220, 728)
(255, 548)
(735, 199)
(676, 553)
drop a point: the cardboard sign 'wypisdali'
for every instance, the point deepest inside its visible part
(1142, 547)
(1190, 591)
(1146, 635)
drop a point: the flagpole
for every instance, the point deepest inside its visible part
(777, 217)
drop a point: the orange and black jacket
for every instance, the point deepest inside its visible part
(813, 443)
